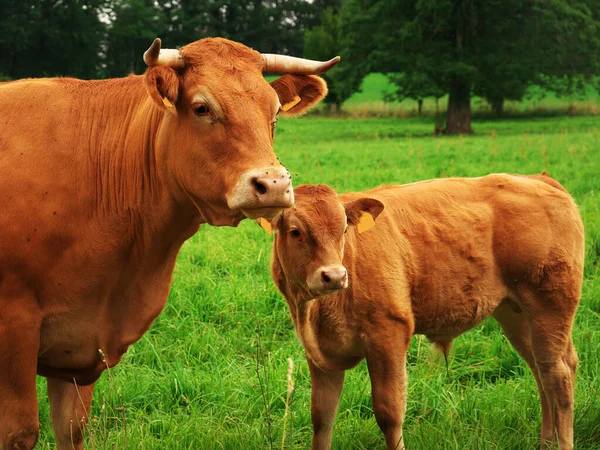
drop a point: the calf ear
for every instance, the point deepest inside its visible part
(162, 84)
(268, 225)
(362, 213)
(265, 224)
(298, 93)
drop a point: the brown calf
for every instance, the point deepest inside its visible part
(444, 255)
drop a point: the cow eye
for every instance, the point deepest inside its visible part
(201, 110)
(296, 234)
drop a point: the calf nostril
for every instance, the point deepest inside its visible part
(325, 277)
(258, 186)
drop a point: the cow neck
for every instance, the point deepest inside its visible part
(122, 158)
(125, 179)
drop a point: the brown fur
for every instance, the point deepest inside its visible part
(309, 88)
(443, 255)
(162, 82)
(101, 184)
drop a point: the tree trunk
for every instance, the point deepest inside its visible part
(459, 107)
(420, 106)
(439, 120)
(498, 107)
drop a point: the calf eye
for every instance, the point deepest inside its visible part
(201, 110)
(296, 234)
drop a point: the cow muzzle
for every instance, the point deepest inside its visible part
(328, 280)
(262, 193)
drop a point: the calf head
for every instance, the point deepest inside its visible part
(310, 237)
(214, 141)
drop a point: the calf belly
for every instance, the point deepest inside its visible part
(443, 319)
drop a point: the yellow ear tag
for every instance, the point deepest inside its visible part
(167, 102)
(366, 222)
(290, 105)
(265, 225)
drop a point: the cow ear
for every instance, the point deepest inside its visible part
(298, 93)
(362, 213)
(162, 84)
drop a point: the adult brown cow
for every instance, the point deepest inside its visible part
(443, 255)
(101, 183)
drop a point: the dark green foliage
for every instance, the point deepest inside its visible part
(97, 38)
(276, 26)
(50, 37)
(321, 43)
(337, 35)
(493, 48)
(134, 25)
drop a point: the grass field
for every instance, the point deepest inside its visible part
(369, 103)
(211, 372)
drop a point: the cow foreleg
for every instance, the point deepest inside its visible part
(69, 409)
(19, 343)
(386, 360)
(325, 397)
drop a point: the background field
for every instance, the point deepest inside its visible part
(369, 102)
(211, 373)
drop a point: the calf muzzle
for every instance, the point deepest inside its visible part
(328, 280)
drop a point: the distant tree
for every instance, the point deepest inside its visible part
(50, 37)
(556, 47)
(336, 35)
(323, 42)
(133, 26)
(415, 85)
(495, 48)
(276, 26)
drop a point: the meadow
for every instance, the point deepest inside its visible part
(537, 102)
(212, 371)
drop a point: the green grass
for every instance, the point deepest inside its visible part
(211, 372)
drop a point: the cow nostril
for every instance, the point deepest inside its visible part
(325, 277)
(258, 186)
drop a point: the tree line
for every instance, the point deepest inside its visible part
(495, 49)
(107, 38)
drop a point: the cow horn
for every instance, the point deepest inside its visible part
(280, 64)
(154, 56)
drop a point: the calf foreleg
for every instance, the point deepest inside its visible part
(386, 360)
(326, 390)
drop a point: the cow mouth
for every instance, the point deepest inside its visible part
(267, 213)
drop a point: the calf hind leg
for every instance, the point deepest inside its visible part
(516, 327)
(556, 361)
